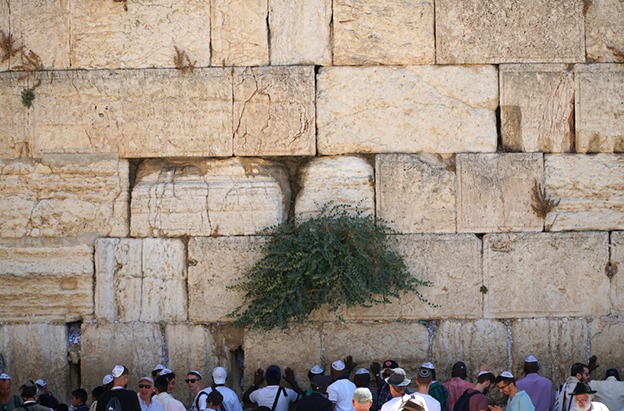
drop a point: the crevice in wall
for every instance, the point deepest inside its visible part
(237, 367)
(210, 49)
(432, 327)
(331, 33)
(165, 349)
(133, 166)
(509, 343)
(499, 135)
(435, 44)
(268, 26)
(74, 336)
(293, 165)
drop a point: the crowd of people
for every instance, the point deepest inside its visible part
(336, 391)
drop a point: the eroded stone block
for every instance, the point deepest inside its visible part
(274, 111)
(390, 109)
(107, 34)
(14, 140)
(617, 264)
(341, 179)
(546, 274)
(64, 196)
(389, 32)
(238, 196)
(536, 31)
(5, 28)
(599, 108)
(416, 193)
(605, 332)
(537, 107)
(494, 192)
(140, 280)
(604, 31)
(589, 189)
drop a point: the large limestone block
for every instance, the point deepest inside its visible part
(342, 179)
(537, 107)
(590, 190)
(208, 197)
(556, 343)
(140, 280)
(464, 341)
(451, 262)
(239, 32)
(546, 274)
(214, 264)
(494, 192)
(14, 137)
(389, 32)
(416, 193)
(5, 27)
(437, 109)
(135, 113)
(274, 112)
(534, 31)
(604, 31)
(43, 27)
(606, 332)
(37, 351)
(617, 266)
(138, 346)
(599, 108)
(109, 34)
(301, 32)
(64, 196)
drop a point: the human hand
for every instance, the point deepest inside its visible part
(258, 376)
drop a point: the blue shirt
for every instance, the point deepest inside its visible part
(520, 402)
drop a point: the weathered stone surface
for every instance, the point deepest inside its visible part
(64, 196)
(298, 347)
(537, 107)
(140, 280)
(135, 113)
(464, 341)
(536, 31)
(341, 179)
(416, 193)
(452, 263)
(617, 264)
(599, 108)
(605, 334)
(556, 343)
(604, 31)
(239, 34)
(546, 274)
(300, 32)
(5, 28)
(494, 192)
(216, 263)
(389, 32)
(590, 189)
(137, 346)
(208, 197)
(43, 27)
(108, 34)
(274, 111)
(390, 109)
(14, 141)
(37, 351)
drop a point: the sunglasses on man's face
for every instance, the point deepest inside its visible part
(193, 380)
(145, 386)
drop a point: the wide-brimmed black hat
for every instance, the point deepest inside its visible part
(583, 388)
(30, 390)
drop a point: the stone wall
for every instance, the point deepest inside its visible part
(165, 134)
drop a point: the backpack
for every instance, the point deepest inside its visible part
(113, 404)
(463, 402)
(221, 407)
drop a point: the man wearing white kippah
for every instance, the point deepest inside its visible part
(340, 392)
(424, 380)
(128, 399)
(538, 388)
(518, 400)
(8, 401)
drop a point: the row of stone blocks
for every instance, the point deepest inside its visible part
(286, 111)
(133, 34)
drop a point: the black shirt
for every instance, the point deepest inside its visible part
(128, 399)
(314, 402)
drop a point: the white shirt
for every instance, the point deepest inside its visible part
(230, 399)
(168, 402)
(431, 403)
(266, 396)
(341, 392)
(153, 405)
(395, 403)
(610, 393)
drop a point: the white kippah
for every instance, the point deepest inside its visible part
(107, 379)
(4, 376)
(316, 370)
(40, 383)
(530, 358)
(166, 371)
(362, 371)
(506, 374)
(159, 367)
(428, 365)
(338, 365)
(117, 371)
(483, 372)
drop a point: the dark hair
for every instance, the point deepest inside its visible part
(530, 367)
(154, 373)
(612, 372)
(62, 407)
(161, 383)
(214, 398)
(506, 380)
(81, 394)
(399, 389)
(424, 378)
(43, 400)
(577, 368)
(97, 391)
(195, 374)
(361, 380)
(459, 370)
(107, 387)
(488, 376)
(170, 376)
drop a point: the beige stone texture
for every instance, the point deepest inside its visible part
(546, 274)
(133, 34)
(464, 341)
(537, 107)
(345, 180)
(64, 196)
(599, 108)
(14, 140)
(5, 27)
(397, 109)
(140, 280)
(239, 32)
(135, 113)
(451, 262)
(534, 31)
(138, 346)
(604, 31)
(389, 32)
(589, 189)
(556, 343)
(237, 196)
(274, 112)
(416, 193)
(494, 192)
(606, 333)
(37, 351)
(617, 263)
(300, 32)
(43, 27)
(214, 264)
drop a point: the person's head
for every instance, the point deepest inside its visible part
(161, 383)
(193, 381)
(506, 383)
(413, 404)
(388, 366)
(362, 399)
(530, 365)
(398, 382)
(214, 400)
(219, 375)
(30, 391)
(120, 376)
(62, 407)
(78, 397)
(424, 380)
(580, 371)
(319, 383)
(338, 369)
(44, 385)
(459, 370)
(429, 366)
(107, 382)
(316, 370)
(96, 392)
(5, 385)
(583, 395)
(170, 376)
(273, 375)
(146, 388)
(485, 381)
(612, 372)
(156, 371)
(361, 378)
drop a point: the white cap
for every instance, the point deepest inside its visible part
(159, 367)
(107, 379)
(338, 365)
(117, 371)
(41, 383)
(428, 366)
(483, 372)
(219, 374)
(316, 370)
(147, 379)
(530, 358)
(506, 374)
(362, 371)
(4, 376)
(166, 371)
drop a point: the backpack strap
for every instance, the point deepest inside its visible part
(197, 400)
(280, 389)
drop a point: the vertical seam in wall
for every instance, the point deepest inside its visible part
(268, 26)
(69, 32)
(331, 32)
(210, 33)
(435, 47)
